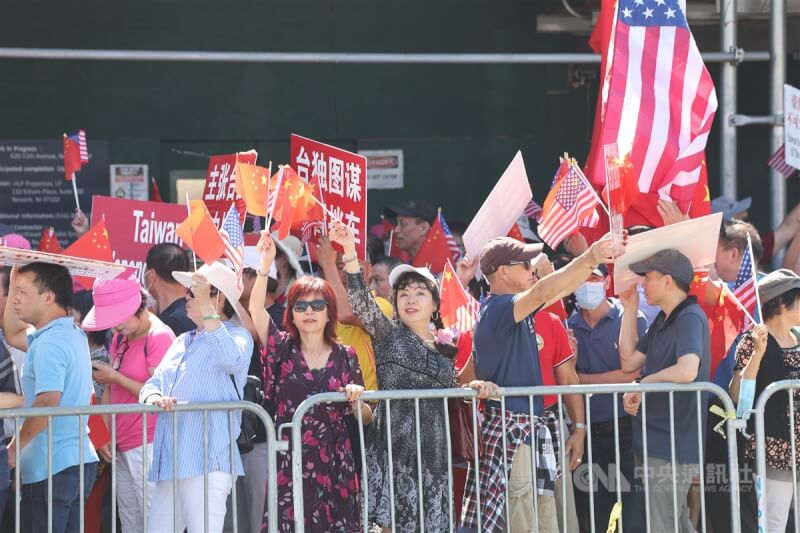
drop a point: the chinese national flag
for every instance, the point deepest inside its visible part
(92, 245)
(48, 242)
(200, 233)
(72, 158)
(457, 307)
(252, 183)
(434, 252)
(725, 318)
(156, 196)
(701, 202)
(622, 198)
(294, 204)
(516, 233)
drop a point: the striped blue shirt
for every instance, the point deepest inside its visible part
(197, 368)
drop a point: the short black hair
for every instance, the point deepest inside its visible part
(387, 260)
(733, 234)
(82, 303)
(5, 279)
(55, 278)
(166, 258)
(772, 308)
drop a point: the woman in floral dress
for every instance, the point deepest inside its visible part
(770, 353)
(406, 357)
(299, 363)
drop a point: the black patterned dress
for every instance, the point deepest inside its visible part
(403, 361)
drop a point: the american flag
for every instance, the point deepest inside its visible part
(570, 204)
(467, 314)
(533, 210)
(80, 139)
(657, 99)
(232, 236)
(744, 288)
(455, 251)
(778, 162)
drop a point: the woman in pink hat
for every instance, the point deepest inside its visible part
(139, 343)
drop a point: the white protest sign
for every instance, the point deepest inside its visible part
(791, 125)
(695, 238)
(501, 209)
(77, 266)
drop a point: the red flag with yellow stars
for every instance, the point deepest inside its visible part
(48, 242)
(94, 244)
(252, 183)
(701, 201)
(295, 203)
(435, 251)
(200, 233)
(725, 318)
(516, 233)
(457, 307)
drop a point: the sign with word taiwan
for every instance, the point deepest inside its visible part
(136, 226)
(220, 190)
(342, 178)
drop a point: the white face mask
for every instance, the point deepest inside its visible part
(590, 295)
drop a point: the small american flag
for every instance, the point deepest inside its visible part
(744, 288)
(467, 314)
(569, 205)
(80, 139)
(533, 210)
(778, 162)
(233, 238)
(455, 251)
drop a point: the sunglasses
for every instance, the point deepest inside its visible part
(212, 292)
(300, 306)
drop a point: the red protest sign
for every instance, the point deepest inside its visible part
(342, 179)
(220, 190)
(136, 226)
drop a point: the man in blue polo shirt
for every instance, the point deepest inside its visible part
(596, 326)
(675, 349)
(56, 372)
(505, 352)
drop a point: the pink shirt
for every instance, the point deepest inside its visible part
(134, 359)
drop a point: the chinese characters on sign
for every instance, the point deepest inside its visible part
(220, 190)
(791, 125)
(342, 179)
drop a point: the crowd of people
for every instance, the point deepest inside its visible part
(341, 324)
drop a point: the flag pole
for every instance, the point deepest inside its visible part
(738, 303)
(585, 180)
(74, 181)
(271, 208)
(188, 214)
(308, 255)
(391, 235)
(269, 178)
(324, 208)
(755, 279)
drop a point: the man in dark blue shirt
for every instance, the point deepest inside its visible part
(505, 352)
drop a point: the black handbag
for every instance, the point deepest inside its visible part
(253, 392)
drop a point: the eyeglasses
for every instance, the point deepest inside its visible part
(300, 306)
(526, 264)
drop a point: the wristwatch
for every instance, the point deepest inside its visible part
(579, 425)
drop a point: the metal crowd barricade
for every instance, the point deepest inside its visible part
(700, 391)
(790, 386)
(113, 411)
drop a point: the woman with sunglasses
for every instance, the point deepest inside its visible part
(407, 356)
(303, 361)
(207, 364)
(139, 343)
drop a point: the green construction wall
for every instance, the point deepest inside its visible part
(459, 126)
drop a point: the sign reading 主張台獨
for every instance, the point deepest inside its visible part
(33, 192)
(135, 226)
(342, 178)
(791, 125)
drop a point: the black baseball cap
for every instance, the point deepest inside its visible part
(413, 208)
(668, 261)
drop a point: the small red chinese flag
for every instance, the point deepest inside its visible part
(75, 153)
(94, 244)
(435, 251)
(622, 198)
(295, 203)
(516, 233)
(251, 184)
(156, 196)
(200, 233)
(48, 242)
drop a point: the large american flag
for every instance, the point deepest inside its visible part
(455, 251)
(744, 288)
(570, 204)
(658, 99)
(233, 238)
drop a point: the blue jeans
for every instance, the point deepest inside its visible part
(66, 500)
